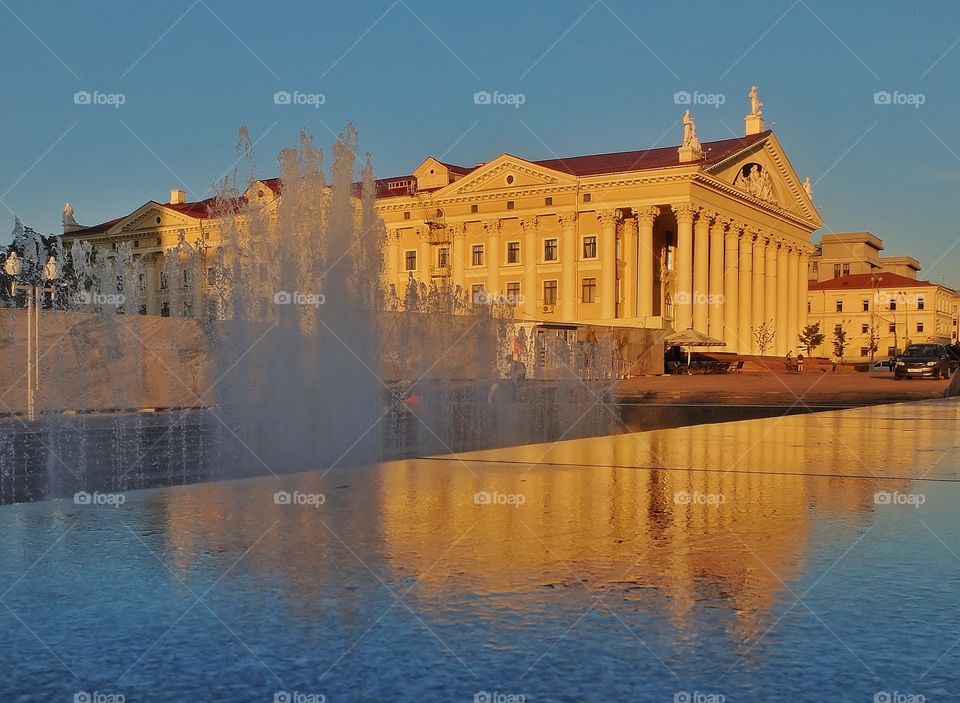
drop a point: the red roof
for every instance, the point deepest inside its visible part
(865, 281)
(643, 159)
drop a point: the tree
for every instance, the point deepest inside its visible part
(873, 342)
(764, 335)
(811, 338)
(839, 341)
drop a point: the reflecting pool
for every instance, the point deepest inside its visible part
(810, 557)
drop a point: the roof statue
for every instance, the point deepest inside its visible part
(755, 105)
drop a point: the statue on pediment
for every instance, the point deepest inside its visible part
(755, 105)
(757, 181)
(807, 187)
(690, 132)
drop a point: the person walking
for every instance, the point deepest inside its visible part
(799, 363)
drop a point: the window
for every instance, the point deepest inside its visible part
(187, 278)
(846, 269)
(893, 304)
(836, 270)
(586, 197)
(478, 293)
(163, 280)
(893, 328)
(474, 208)
(549, 292)
(866, 306)
(864, 351)
(838, 329)
(548, 201)
(891, 351)
(164, 309)
(921, 303)
(865, 329)
(443, 257)
(136, 243)
(816, 267)
(406, 215)
(513, 252)
(513, 292)
(142, 310)
(509, 205)
(588, 293)
(410, 260)
(839, 306)
(477, 259)
(550, 250)
(589, 247)
(919, 327)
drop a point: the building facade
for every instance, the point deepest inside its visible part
(852, 253)
(713, 236)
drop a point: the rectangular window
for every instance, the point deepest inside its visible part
(864, 328)
(919, 327)
(164, 309)
(864, 351)
(549, 292)
(893, 304)
(477, 259)
(893, 328)
(839, 306)
(586, 197)
(443, 257)
(866, 306)
(838, 328)
(550, 250)
(509, 205)
(891, 351)
(836, 270)
(478, 293)
(548, 201)
(846, 269)
(163, 280)
(474, 208)
(406, 215)
(513, 252)
(921, 303)
(588, 293)
(410, 260)
(589, 247)
(513, 292)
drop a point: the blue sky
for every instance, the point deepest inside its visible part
(595, 76)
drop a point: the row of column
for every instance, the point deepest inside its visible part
(735, 282)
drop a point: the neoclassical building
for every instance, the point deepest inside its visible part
(713, 236)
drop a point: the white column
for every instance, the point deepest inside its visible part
(629, 267)
(731, 286)
(745, 323)
(492, 256)
(458, 254)
(683, 295)
(608, 262)
(770, 291)
(793, 295)
(803, 286)
(569, 246)
(645, 278)
(759, 268)
(785, 342)
(530, 256)
(701, 270)
(716, 288)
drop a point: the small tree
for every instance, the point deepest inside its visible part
(873, 342)
(839, 341)
(811, 338)
(764, 335)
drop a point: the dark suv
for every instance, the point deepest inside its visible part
(923, 360)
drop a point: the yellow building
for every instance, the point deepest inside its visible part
(713, 236)
(882, 313)
(850, 253)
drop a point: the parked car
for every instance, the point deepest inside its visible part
(923, 360)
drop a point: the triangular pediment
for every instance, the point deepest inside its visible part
(506, 172)
(150, 216)
(762, 172)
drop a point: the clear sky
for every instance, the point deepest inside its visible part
(594, 76)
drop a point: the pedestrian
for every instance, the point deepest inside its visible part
(799, 363)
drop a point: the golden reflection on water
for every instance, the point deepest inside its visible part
(589, 519)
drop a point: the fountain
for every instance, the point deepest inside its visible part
(294, 357)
